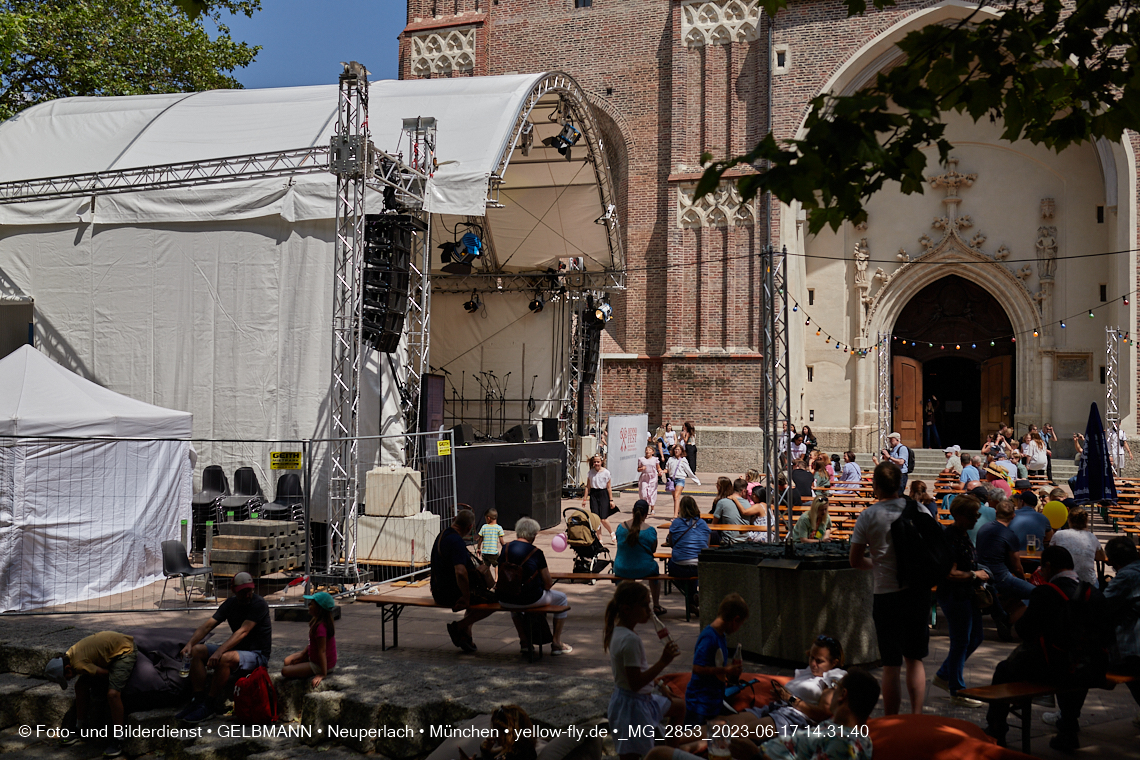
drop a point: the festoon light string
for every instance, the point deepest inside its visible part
(863, 352)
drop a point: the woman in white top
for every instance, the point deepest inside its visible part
(676, 471)
(1082, 544)
(599, 492)
(1033, 453)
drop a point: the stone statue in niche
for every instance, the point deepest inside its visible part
(1046, 246)
(862, 255)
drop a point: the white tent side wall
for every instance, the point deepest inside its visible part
(126, 498)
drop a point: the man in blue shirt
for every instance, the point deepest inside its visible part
(1028, 521)
(997, 552)
(971, 469)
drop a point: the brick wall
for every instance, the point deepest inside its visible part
(692, 309)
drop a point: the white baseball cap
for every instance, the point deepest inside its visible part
(894, 435)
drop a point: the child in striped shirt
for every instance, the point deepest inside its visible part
(492, 535)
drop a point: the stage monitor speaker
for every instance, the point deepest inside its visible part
(464, 434)
(550, 429)
(528, 488)
(385, 277)
(532, 433)
(515, 435)
(432, 392)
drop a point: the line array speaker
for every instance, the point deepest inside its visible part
(385, 277)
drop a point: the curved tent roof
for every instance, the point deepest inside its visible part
(478, 122)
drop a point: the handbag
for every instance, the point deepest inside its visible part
(983, 597)
(669, 488)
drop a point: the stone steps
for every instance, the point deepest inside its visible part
(367, 691)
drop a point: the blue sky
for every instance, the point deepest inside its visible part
(303, 41)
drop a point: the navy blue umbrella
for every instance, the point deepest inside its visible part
(1094, 472)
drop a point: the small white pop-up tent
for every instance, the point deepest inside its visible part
(81, 519)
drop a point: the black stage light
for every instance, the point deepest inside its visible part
(537, 304)
(472, 305)
(564, 140)
(459, 257)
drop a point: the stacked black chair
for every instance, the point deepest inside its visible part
(289, 503)
(206, 503)
(247, 496)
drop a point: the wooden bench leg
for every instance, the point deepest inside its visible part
(1023, 710)
(390, 612)
(531, 620)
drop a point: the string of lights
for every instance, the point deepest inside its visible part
(914, 341)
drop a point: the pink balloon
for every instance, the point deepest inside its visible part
(1004, 485)
(558, 543)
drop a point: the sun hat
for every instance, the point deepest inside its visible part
(54, 672)
(243, 581)
(323, 599)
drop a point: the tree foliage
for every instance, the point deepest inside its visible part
(1054, 73)
(59, 48)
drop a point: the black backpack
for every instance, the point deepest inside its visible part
(512, 578)
(909, 460)
(923, 553)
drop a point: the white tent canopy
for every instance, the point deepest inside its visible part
(81, 519)
(548, 204)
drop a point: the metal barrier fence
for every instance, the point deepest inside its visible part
(83, 521)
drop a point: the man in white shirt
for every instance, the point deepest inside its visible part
(898, 454)
(901, 613)
(1117, 445)
(953, 459)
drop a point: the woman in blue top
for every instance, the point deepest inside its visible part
(688, 535)
(636, 543)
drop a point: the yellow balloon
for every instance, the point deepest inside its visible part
(1057, 514)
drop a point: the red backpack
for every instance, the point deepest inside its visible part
(255, 698)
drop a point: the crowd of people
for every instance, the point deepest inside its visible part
(1073, 623)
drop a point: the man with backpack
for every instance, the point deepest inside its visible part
(901, 611)
(1066, 640)
(247, 648)
(903, 458)
(457, 582)
(525, 582)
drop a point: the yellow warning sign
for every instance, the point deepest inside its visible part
(285, 460)
(443, 448)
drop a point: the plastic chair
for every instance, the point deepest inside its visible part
(289, 501)
(204, 505)
(247, 495)
(176, 564)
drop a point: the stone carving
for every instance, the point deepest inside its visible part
(862, 255)
(719, 22)
(861, 226)
(1002, 253)
(978, 240)
(1025, 272)
(951, 180)
(925, 242)
(443, 52)
(1048, 209)
(903, 256)
(941, 223)
(964, 222)
(1046, 246)
(722, 208)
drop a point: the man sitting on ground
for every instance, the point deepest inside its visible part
(457, 582)
(107, 657)
(1065, 637)
(247, 648)
(1122, 597)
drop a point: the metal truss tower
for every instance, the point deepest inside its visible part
(883, 387)
(777, 412)
(1112, 338)
(583, 399)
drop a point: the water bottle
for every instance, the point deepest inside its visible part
(185, 671)
(662, 631)
(738, 658)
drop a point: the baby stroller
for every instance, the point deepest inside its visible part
(582, 536)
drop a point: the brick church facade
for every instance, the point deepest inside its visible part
(672, 79)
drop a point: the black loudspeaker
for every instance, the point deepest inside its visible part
(432, 392)
(515, 435)
(550, 429)
(528, 488)
(591, 352)
(532, 433)
(385, 278)
(464, 434)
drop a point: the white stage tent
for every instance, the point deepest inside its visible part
(217, 299)
(81, 519)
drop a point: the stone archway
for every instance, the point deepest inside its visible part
(953, 257)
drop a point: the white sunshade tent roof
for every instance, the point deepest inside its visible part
(81, 519)
(549, 204)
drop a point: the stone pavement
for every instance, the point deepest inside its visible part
(428, 681)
